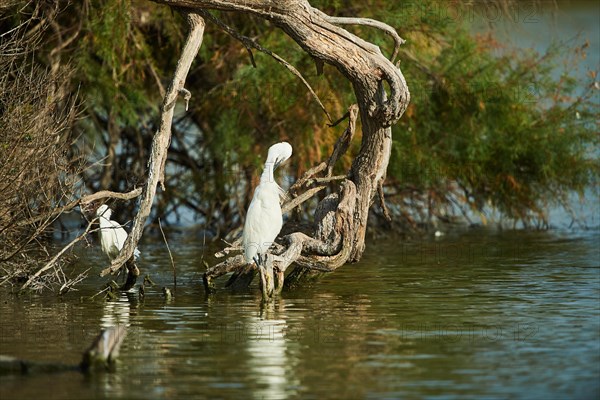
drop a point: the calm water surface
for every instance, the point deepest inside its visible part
(476, 315)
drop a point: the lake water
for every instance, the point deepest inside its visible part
(476, 314)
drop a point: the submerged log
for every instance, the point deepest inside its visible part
(104, 350)
(99, 357)
(14, 366)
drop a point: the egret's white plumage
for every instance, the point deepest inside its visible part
(112, 234)
(264, 220)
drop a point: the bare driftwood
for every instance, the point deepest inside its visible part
(99, 357)
(162, 139)
(338, 234)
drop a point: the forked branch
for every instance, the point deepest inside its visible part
(398, 41)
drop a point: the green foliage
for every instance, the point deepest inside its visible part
(487, 128)
(111, 63)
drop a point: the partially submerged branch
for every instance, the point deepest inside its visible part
(162, 139)
(104, 350)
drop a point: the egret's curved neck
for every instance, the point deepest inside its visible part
(267, 174)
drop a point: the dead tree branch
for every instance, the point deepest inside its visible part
(162, 139)
(382, 97)
(343, 142)
(83, 201)
(398, 41)
(51, 263)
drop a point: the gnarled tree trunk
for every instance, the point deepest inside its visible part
(341, 218)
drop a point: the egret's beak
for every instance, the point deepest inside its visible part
(277, 164)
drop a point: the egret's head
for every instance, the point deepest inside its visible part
(103, 211)
(279, 153)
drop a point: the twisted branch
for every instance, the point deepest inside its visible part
(398, 41)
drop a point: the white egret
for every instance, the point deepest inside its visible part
(263, 219)
(112, 234)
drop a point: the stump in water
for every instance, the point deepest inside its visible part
(104, 350)
(99, 357)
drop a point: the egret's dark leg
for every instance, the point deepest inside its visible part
(260, 260)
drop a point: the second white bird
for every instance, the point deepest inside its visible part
(112, 234)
